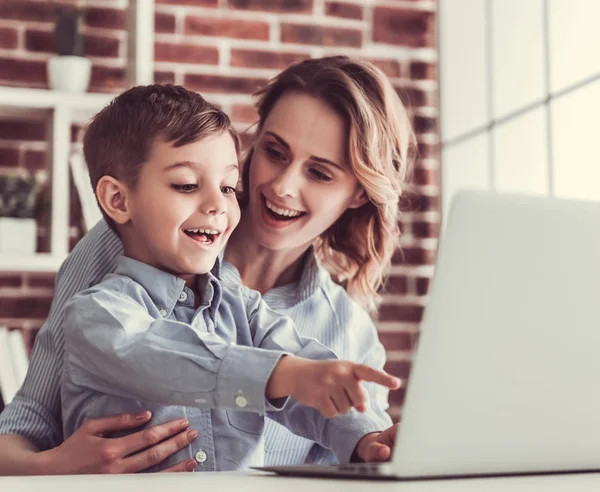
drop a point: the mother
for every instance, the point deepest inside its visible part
(321, 186)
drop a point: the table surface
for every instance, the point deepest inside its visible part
(262, 482)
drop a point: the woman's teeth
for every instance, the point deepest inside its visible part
(282, 211)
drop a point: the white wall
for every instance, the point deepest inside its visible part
(520, 96)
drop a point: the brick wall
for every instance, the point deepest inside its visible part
(226, 49)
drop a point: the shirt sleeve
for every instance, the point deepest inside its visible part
(35, 412)
(115, 347)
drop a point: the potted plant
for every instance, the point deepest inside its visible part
(18, 207)
(68, 70)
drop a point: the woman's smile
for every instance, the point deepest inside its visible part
(278, 217)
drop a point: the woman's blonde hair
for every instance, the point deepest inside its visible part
(358, 247)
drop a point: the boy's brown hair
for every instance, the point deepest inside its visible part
(119, 138)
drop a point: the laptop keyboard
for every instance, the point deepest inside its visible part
(361, 468)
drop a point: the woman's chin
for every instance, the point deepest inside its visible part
(279, 241)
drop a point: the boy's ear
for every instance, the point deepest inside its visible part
(359, 199)
(112, 196)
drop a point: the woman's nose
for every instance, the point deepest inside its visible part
(286, 183)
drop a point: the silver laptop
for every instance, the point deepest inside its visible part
(506, 376)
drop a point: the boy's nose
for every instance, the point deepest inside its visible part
(213, 204)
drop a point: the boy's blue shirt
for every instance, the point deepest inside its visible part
(135, 341)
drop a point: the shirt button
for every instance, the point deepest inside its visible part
(182, 296)
(240, 401)
(162, 312)
(201, 456)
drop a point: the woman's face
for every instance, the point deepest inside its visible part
(300, 181)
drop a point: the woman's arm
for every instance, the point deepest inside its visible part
(363, 346)
(341, 433)
(31, 425)
(17, 456)
(378, 395)
(35, 412)
(87, 451)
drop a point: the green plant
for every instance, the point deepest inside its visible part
(18, 194)
(67, 37)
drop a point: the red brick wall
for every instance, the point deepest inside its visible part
(226, 49)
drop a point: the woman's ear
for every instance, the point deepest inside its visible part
(112, 196)
(359, 199)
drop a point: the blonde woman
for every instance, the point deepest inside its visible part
(320, 192)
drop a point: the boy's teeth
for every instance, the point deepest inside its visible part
(203, 231)
(282, 211)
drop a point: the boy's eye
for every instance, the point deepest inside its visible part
(320, 176)
(184, 188)
(228, 190)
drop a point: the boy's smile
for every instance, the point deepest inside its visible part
(183, 208)
(203, 235)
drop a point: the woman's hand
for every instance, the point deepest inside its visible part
(88, 451)
(377, 446)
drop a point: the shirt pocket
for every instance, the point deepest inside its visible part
(249, 422)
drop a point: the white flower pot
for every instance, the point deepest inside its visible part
(17, 236)
(69, 73)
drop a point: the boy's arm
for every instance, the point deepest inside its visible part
(115, 347)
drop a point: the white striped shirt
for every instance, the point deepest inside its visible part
(320, 309)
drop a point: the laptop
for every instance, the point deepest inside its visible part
(505, 379)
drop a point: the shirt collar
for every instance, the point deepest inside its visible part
(163, 288)
(286, 296)
(216, 269)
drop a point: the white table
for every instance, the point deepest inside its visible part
(259, 482)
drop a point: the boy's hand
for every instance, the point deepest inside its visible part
(377, 446)
(332, 387)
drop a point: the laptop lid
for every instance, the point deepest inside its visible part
(506, 376)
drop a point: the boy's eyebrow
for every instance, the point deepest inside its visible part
(193, 164)
(322, 160)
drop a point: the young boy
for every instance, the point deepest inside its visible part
(162, 333)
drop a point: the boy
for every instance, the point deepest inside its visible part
(162, 333)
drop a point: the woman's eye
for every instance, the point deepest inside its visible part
(274, 154)
(184, 188)
(228, 190)
(319, 176)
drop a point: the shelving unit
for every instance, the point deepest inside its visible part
(61, 110)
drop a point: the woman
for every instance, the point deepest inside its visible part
(321, 186)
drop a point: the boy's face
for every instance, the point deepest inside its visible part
(183, 208)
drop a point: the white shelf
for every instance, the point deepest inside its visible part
(39, 262)
(60, 110)
(80, 107)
